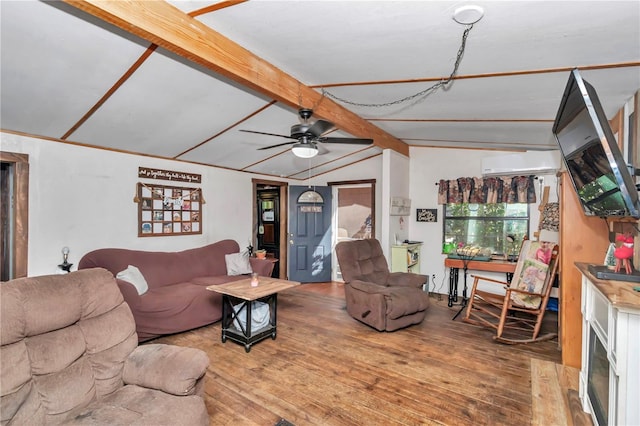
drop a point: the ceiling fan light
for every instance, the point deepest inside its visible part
(304, 150)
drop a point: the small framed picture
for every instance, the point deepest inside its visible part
(427, 215)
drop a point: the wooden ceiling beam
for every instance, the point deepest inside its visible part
(160, 23)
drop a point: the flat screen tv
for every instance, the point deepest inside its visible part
(599, 174)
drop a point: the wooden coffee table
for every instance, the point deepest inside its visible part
(240, 294)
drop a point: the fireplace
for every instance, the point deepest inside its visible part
(598, 379)
(609, 385)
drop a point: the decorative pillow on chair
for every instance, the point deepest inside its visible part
(134, 276)
(237, 264)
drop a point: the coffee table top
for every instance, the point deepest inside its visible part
(242, 289)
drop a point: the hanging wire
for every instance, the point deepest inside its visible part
(434, 87)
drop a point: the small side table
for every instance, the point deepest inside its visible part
(240, 294)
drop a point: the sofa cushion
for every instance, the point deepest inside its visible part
(134, 276)
(237, 264)
(222, 279)
(171, 299)
(147, 366)
(134, 405)
(164, 268)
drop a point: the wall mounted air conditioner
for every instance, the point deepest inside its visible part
(522, 164)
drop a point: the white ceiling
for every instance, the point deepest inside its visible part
(58, 62)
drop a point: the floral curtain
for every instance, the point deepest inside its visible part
(500, 189)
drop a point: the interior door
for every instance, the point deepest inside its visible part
(268, 236)
(310, 233)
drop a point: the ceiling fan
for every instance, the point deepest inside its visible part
(305, 136)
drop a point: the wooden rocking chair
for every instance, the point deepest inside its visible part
(517, 314)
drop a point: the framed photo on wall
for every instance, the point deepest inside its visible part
(427, 215)
(168, 210)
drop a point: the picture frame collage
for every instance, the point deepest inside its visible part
(168, 210)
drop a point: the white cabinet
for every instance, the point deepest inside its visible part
(610, 374)
(405, 258)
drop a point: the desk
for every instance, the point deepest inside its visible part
(454, 266)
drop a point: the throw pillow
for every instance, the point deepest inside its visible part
(134, 276)
(237, 264)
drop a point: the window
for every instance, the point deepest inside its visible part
(486, 225)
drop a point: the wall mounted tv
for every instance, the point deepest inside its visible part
(599, 174)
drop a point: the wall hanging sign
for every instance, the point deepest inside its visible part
(400, 206)
(168, 210)
(311, 209)
(147, 173)
(427, 215)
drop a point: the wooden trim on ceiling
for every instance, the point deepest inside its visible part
(215, 7)
(463, 120)
(112, 90)
(337, 168)
(351, 182)
(486, 75)
(328, 162)
(162, 24)
(226, 129)
(147, 53)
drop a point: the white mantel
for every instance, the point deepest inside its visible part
(612, 310)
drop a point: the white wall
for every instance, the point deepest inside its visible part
(427, 167)
(83, 198)
(396, 183)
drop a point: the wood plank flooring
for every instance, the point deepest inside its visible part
(325, 368)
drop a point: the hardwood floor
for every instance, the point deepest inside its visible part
(325, 368)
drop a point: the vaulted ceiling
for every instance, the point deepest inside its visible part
(180, 79)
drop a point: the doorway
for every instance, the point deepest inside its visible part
(310, 241)
(269, 231)
(268, 235)
(354, 214)
(14, 215)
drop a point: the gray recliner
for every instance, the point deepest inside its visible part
(384, 300)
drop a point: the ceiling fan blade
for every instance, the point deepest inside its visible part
(321, 149)
(351, 141)
(320, 127)
(268, 134)
(277, 145)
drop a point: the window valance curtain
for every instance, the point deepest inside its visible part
(489, 190)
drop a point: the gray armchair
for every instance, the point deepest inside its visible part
(381, 299)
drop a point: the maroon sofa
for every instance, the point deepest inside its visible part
(177, 299)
